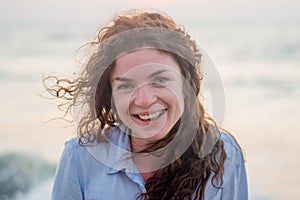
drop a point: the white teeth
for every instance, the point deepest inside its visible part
(150, 116)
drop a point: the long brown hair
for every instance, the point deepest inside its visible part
(187, 176)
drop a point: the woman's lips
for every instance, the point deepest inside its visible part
(146, 117)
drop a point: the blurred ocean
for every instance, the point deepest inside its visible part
(260, 69)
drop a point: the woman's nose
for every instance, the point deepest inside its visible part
(144, 96)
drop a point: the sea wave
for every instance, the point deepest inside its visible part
(20, 173)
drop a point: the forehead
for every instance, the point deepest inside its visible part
(135, 59)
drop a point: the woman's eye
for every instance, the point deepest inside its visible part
(123, 87)
(161, 80)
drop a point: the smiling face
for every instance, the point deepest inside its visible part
(147, 93)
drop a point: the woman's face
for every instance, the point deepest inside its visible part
(147, 93)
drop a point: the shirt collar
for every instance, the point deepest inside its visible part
(116, 153)
(119, 153)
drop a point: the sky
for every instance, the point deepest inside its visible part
(12, 11)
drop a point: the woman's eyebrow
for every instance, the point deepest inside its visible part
(124, 79)
(157, 73)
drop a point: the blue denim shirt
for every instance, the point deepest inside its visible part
(99, 172)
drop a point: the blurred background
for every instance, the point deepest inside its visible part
(255, 46)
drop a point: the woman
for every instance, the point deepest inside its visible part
(142, 131)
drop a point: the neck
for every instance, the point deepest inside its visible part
(145, 166)
(147, 175)
(143, 161)
(138, 144)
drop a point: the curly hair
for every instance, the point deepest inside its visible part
(187, 176)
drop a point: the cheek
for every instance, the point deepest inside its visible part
(179, 105)
(121, 104)
(176, 99)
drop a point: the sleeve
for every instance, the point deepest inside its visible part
(235, 185)
(67, 178)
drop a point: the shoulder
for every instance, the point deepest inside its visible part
(68, 175)
(234, 154)
(230, 143)
(92, 154)
(76, 153)
(80, 159)
(234, 177)
(72, 144)
(81, 151)
(69, 156)
(72, 148)
(79, 145)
